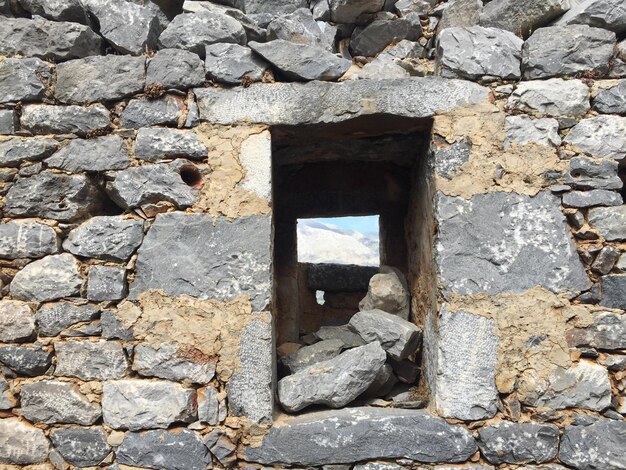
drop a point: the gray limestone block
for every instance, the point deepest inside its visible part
(449, 158)
(611, 100)
(230, 63)
(8, 122)
(173, 450)
(388, 291)
(102, 78)
(208, 406)
(106, 283)
(214, 258)
(154, 144)
(383, 383)
(461, 13)
(606, 14)
(47, 39)
(317, 102)
(86, 360)
(49, 278)
(14, 152)
(113, 328)
(24, 79)
(59, 10)
(152, 183)
(600, 136)
(175, 68)
(26, 361)
(7, 400)
(301, 61)
(613, 291)
(46, 119)
(141, 404)
(606, 259)
(519, 443)
(601, 445)
(130, 28)
(377, 35)
(254, 30)
(52, 401)
(17, 321)
(194, 31)
(475, 51)
(55, 317)
(587, 173)
(607, 332)
(567, 50)
(165, 110)
(91, 155)
(251, 388)
(22, 444)
(465, 386)
(168, 361)
(27, 240)
(489, 258)
(595, 197)
(82, 447)
(299, 27)
(522, 17)
(105, 237)
(53, 196)
(358, 434)
(334, 382)
(525, 130)
(342, 332)
(309, 355)
(610, 222)
(398, 337)
(348, 11)
(553, 97)
(339, 277)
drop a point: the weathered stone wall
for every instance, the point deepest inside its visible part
(136, 319)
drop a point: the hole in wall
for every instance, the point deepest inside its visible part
(191, 176)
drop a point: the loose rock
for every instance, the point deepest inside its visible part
(79, 120)
(230, 63)
(387, 291)
(348, 11)
(299, 27)
(595, 197)
(343, 333)
(168, 361)
(519, 443)
(173, 68)
(17, 321)
(380, 33)
(309, 355)
(27, 240)
(106, 283)
(60, 10)
(54, 318)
(600, 136)
(606, 14)
(553, 97)
(26, 361)
(16, 151)
(83, 447)
(99, 154)
(22, 444)
(86, 360)
(461, 13)
(23, 79)
(49, 278)
(154, 144)
(522, 17)
(599, 445)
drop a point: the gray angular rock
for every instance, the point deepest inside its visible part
(595, 197)
(106, 283)
(377, 466)
(177, 450)
(608, 330)
(208, 406)
(130, 28)
(600, 136)
(600, 445)
(406, 7)
(223, 450)
(382, 67)
(522, 17)
(349, 338)
(465, 386)
(348, 11)
(230, 63)
(24, 79)
(102, 78)
(519, 443)
(611, 100)
(363, 434)
(553, 97)
(83, 447)
(387, 291)
(152, 183)
(194, 31)
(299, 27)
(222, 259)
(449, 158)
(613, 294)
(154, 144)
(7, 400)
(59, 10)
(383, 383)
(606, 14)
(22, 444)
(91, 155)
(46, 119)
(334, 382)
(86, 360)
(54, 318)
(524, 130)
(398, 337)
(49, 278)
(47, 39)
(461, 13)
(309, 355)
(105, 237)
(489, 258)
(17, 321)
(14, 152)
(8, 122)
(168, 361)
(139, 404)
(610, 222)
(274, 7)
(605, 260)
(27, 240)
(301, 61)
(377, 35)
(322, 102)
(26, 361)
(567, 50)
(587, 173)
(51, 401)
(174, 68)
(166, 110)
(475, 51)
(113, 328)
(255, 31)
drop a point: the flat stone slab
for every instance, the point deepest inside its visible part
(355, 434)
(27, 240)
(321, 102)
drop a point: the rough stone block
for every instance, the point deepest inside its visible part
(398, 337)
(377, 35)
(174, 68)
(22, 444)
(230, 63)
(208, 406)
(522, 17)
(600, 136)
(49, 278)
(99, 154)
(83, 447)
(595, 197)
(606, 14)
(613, 291)
(388, 291)
(86, 360)
(309, 355)
(608, 330)
(23, 79)
(349, 338)
(553, 97)
(46, 119)
(54, 318)
(519, 443)
(449, 158)
(14, 152)
(26, 361)
(523, 130)
(17, 321)
(610, 222)
(106, 283)
(587, 173)
(154, 144)
(461, 13)
(169, 362)
(8, 122)
(144, 113)
(611, 100)
(7, 400)
(600, 445)
(348, 11)
(27, 240)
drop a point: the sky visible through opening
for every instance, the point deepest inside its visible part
(341, 240)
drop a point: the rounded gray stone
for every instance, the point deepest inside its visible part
(49, 278)
(83, 447)
(17, 321)
(230, 63)
(22, 444)
(27, 240)
(169, 362)
(26, 361)
(175, 68)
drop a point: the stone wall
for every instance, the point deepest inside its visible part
(137, 319)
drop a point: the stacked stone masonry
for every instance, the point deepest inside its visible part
(137, 326)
